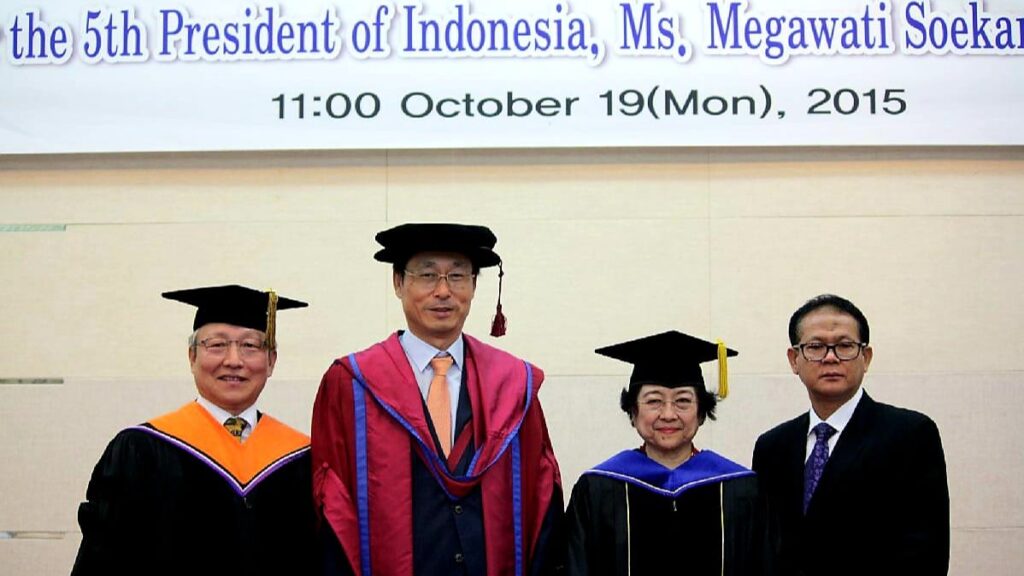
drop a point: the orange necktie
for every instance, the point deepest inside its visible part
(439, 402)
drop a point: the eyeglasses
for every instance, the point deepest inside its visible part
(246, 347)
(658, 404)
(430, 280)
(817, 351)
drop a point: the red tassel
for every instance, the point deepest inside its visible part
(498, 324)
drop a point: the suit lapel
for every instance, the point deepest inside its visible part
(849, 450)
(793, 462)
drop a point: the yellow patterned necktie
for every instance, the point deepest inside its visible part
(235, 426)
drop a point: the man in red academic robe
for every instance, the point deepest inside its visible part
(430, 451)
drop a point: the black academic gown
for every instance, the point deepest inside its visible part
(619, 527)
(157, 509)
(881, 506)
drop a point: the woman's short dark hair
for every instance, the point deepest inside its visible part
(706, 401)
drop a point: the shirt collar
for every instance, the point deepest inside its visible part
(841, 417)
(420, 353)
(220, 415)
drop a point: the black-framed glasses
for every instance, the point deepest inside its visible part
(817, 351)
(430, 280)
(217, 346)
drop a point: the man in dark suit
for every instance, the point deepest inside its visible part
(853, 486)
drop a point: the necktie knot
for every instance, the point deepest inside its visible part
(823, 432)
(441, 363)
(235, 426)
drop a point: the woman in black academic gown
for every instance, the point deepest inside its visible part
(667, 507)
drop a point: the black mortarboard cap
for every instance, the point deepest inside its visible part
(237, 305)
(403, 242)
(670, 359)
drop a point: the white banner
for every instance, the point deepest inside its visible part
(189, 75)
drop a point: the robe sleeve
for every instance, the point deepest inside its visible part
(120, 501)
(331, 458)
(579, 523)
(548, 551)
(747, 547)
(549, 556)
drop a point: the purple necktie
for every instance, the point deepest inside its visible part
(816, 463)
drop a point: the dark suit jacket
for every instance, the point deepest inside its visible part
(881, 506)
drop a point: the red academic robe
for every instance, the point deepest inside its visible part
(369, 415)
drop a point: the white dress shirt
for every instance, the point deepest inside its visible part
(419, 354)
(220, 415)
(838, 420)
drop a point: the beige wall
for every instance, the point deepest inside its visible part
(599, 246)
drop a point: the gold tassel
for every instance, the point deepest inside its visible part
(271, 320)
(723, 370)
